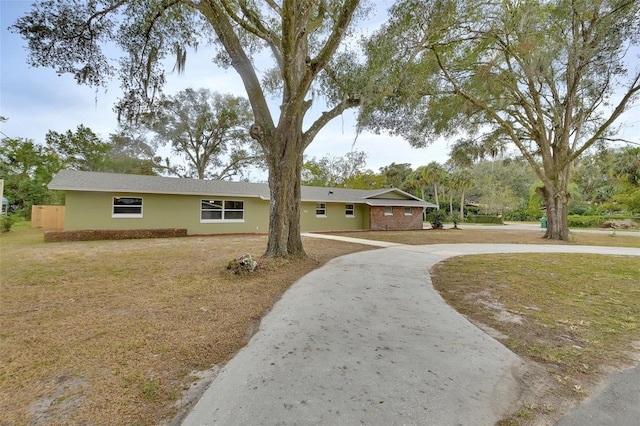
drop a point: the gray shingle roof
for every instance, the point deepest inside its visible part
(73, 180)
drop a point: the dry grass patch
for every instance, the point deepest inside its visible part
(578, 315)
(497, 236)
(112, 330)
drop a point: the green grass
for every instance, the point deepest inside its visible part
(579, 314)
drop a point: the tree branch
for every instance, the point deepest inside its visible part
(493, 114)
(333, 42)
(634, 88)
(326, 117)
(254, 26)
(241, 63)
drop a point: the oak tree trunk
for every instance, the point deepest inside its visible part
(285, 166)
(556, 197)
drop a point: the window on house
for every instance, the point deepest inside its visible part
(407, 211)
(321, 209)
(221, 210)
(127, 207)
(349, 211)
(388, 211)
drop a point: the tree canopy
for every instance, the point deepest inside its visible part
(27, 168)
(210, 130)
(550, 77)
(122, 153)
(335, 171)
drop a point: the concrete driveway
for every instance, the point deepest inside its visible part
(365, 339)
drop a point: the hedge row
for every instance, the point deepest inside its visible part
(111, 234)
(484, 218)
(577, 221)
(471, 218)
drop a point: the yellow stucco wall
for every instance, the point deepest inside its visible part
(335, 219)
(391, 195)
(93, 210)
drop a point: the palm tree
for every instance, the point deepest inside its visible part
(434, 174)
(461, 180)
(626, 165)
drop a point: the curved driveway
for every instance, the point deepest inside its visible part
(365, 339)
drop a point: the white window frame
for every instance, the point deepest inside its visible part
(115, 215)
(389, 212)
(410, 213)
(321, 209)
(223, 210)
(349, 208)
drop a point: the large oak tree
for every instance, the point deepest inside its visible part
(303, 38)
(209, 130)
(550, 77)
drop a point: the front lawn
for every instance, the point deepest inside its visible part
(112, 330)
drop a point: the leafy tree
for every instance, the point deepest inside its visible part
(209, 130)
(502, 185)
(27, 168)
(303, 38)
(626, 165)
(79, 150)
(366, 179)
(626, 168)
(123, 153)
(131, 154)
(592, 176)
(608, 179)
(414, 183)
(540, 74)
(466, 151)
(396, 174)
(334, 171)
(434, 174)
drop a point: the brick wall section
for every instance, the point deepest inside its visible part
(398, 221)
(118, 234)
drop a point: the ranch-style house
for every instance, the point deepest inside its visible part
(110, 201)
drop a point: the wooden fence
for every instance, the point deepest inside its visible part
(47, 217)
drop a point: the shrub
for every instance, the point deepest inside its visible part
(6, 222)
(577, 221)
(524, 215)
(484, 218)
(472, 210)
(454, 218)
(437, 219)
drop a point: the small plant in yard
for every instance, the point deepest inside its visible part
(526, 410)
(455, 218)
(150, 388)
(6, 222)
(438, 220)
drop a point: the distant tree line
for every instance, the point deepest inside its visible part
(604, 181)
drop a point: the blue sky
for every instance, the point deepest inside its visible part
(37, 100)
